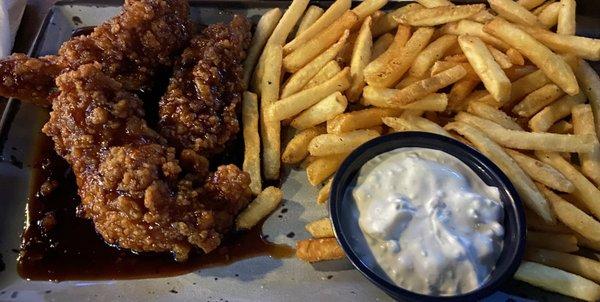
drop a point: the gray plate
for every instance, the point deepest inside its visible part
(261, 278)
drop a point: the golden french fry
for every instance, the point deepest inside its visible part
(440, 66)
(573, 217)
(553, 66)
(434, 3)
(361, 56)
(322, 167)
(513, 12)
(311, 15)
(460, 90)
(408, 80)
(324, 192)
(320, 228)
(540, 8)
(483, 16)
(389, 73)
(560, 242)
(583, 47)
(392, 51)
(314, 250)
(561, 127)
(542, 172)
(263, 31)
(495, 115)
(590, 82)
(287, 22)
(327, 72)
(488, 70)
(558, 110)
(583, 123)
(528, 140)
(537, 100)
(534, 222)
(431, 54)
(532, 197)
(585, 191)
(530, 4)
(334, 12)
(368, 7)
(270, 128)
(566, 18)
(306, 73)
(259, 208)
(500, 57)
(307, 51)
(361, 119)
(251, 163)
(381, 45)
(590, 244)
(559, 281)
(515, 57)
(435, 102)
(304, 99)
(548, 17)
(387, 23)
(414, 123)
(579, 265)
(472, 28)
(322, 111)
(518, 71)
(458, 58)
(439, 15)
(330, 144)
(394, 98)
(297, 148)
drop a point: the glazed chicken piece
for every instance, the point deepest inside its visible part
(201, 106)
(138, 192)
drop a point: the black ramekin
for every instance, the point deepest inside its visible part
(345, 218)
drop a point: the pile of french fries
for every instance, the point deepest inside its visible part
(509, 78)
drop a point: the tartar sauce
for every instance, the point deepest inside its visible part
(431, 223)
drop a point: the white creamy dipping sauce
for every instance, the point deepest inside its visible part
(431, 223)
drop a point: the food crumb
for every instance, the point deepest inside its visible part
(290, 235)
(173, 291)
(330, 276)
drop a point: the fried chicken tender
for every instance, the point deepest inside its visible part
(200, 108)
(139, 193)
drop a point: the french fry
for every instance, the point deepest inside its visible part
(314, 250)
(414, 123)
(263, 31)
(495, 115)
(561, 127)
(458, 58)
(460, 90)
(297, 148)
(515, 57)
(548, 17)
(534, 222)
(251, 141)
(439, 15)
(500, 57)
(540, 8)
(590, 82)
(270, 128)
(361, 56)
(541, 172)
(361, 119)
(583, 47)
(322, 167)
(560, 242)
(532, 197)
(311, 15)
(585, 191)
(434, 3)
(368, 7)
(259, 208)
(537, 100)
(327, 72)
(381, 45)
(386, 23)
(583, 123)
(553, 66)
(528, 140)
(590, 244)
(472, 28)
(306, 73)
(389, 73)
(322, 111)
(320, 228)
(573, 217)
(558, 110)
(431, 54)
(330, 144)
(394, 49)
(578, 265)
(307, 51)
(324, 192)
(304, 99)
(559, 281)
(530, 4)
(408, 80)
(435, 102)
(334, 12)
(566, 18)
(513, 12)
(287, 22)
(518, 71)
(440, 66)
(526, 85)
(486, 67)
(483, 16)
(394, 98)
